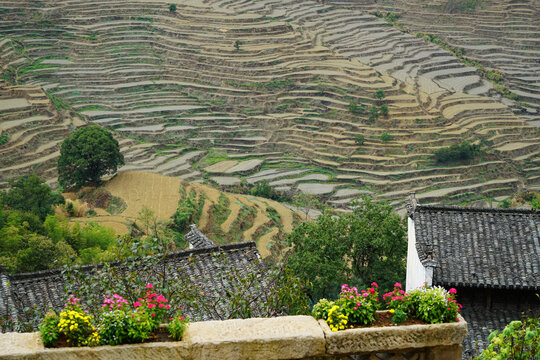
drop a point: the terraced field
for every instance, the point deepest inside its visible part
(501, 35)
(224, 217)
(282, 91)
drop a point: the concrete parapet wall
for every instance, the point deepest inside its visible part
(288, 337)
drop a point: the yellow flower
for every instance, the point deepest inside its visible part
(391, 311)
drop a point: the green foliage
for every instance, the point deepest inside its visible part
(369, 243)
(535, 201)
(30, 193)
(188, 211)
(41, 253)
(433, 305)
(353, 308)
(355, 108)
(359, 140)
(505, 204)
(172, 8)
(457, 152)
(386, 137)
(321, 308)
(178, 325)
(379, 96)
(77, 328)
(237, 44)
(373, 114)
(124, 326)
(383, 110)
(520, 340)
(398, 316)
(3, 138)
(87, 155)
(49, 331)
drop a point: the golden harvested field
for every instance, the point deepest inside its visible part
(246, 219)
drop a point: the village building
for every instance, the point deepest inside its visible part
(491, 256)
(23, 296)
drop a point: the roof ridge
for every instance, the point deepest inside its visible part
(58, 271)
(420, 207)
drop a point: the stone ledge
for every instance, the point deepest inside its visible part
(368, 340)
(288, 337)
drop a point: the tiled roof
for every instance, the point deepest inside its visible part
(482, 321)
(475, 247)
(202, 266)
(197, 239)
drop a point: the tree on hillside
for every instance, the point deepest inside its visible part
(366, 245)
(30, 193)
(87, 155)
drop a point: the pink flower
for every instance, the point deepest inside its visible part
(372, 290)
(452, 291)
(149, 286)
(365, 295)
(375, 284)
(137, 304)
(153, 314)
(355, 308)
(397, 285)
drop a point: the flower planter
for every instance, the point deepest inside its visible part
(288, 337)
(396, 338)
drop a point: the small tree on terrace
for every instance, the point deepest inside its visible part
(87, 155)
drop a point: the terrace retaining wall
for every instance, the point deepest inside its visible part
(289, 337)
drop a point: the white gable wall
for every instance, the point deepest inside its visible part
(416, 272)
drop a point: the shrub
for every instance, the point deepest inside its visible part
(359, 139)
(177, 326)
(383, 110)
(172, 8)
(237, 44)
(386, 137)
(321, 309)
(457, 152)
(49, 331)
(3, 138)
(398, 316)
(519, 340)
(396, 299)
(373, 114)
(379, 95)
(124, 326)
(355, 108)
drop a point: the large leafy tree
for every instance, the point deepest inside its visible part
(30, 193)
(87, 155)
(366, 245)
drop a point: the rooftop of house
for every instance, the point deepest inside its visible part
(202, 266)
(477, 247)
(197, 239)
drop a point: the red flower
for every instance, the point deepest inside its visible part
(452, 291)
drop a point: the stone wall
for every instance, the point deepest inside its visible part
(288, 337)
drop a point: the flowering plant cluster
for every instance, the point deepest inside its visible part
(433, 304)
(153, 304)
(178, 325)
(118, 322)
(357, 308)
(353, 308)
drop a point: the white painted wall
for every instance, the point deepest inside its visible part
(416, 273)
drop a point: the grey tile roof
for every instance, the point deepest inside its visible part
(197, 239)
(45, 289)
(482, 321)
(476, 247)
